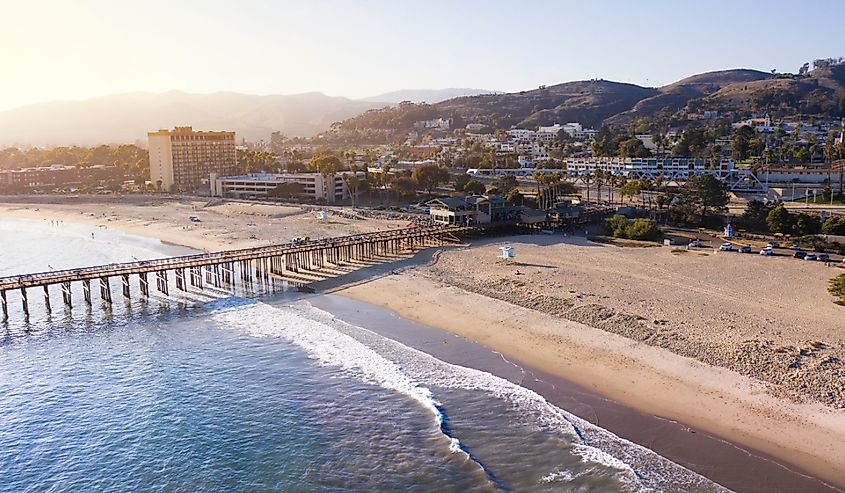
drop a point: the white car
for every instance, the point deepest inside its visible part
(767, 251)
(726, 247)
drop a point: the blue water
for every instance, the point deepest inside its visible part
(260, 392)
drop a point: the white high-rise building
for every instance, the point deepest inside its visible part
(182, 159)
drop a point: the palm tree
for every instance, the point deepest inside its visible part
(621, 182)
(587, 178)
(599, 182)
(612, 181)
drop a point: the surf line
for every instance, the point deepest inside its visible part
(457, 445)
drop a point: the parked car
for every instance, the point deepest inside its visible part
(726, 247)
(745, 249)
(767, 251)
(795, 247)
(799, 254)
(810, 256)
(194, 219)
(773, 244)
(823, 257)
(696, 243)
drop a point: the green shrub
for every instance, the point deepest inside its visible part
(837, 288)
(615, 226)
(834, 226)
(643, 229)
(638, 229)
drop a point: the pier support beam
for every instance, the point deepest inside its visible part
(5, 304)
(86, 291)
(180, 279)
(25, 303)
(66, 293)
(161, 282)
(105, 290)
(47, 298)
(196, 277)
(124, 280)
(144, 284)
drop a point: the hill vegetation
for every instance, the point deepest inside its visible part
(727, 94)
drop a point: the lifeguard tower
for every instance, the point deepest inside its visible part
(508, 253)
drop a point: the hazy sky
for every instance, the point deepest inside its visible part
(71, 49)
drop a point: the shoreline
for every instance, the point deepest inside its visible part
(719, 460)
(647, 379)
(654, 381)
(222, 225)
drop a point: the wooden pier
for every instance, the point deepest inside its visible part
(295, 262)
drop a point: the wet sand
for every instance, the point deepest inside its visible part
(742, 470)
(568, 317)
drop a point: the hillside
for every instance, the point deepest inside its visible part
(127, 117)
(425, 95)
(673, 97)
(589, 102)
(822, 92)
(740, 92)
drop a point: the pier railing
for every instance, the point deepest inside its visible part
(218, 268)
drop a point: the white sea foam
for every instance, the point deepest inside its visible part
(330, 347)
(329, 342)
(558, 476)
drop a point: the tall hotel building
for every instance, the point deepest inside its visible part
(182, 159)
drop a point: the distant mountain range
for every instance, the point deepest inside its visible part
(426, 95)
(128, 117)
(122, 118)
(125, 118)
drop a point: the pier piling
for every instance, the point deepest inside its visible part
(294, 263)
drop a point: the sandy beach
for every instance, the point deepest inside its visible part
(744, 347)
(223, 225)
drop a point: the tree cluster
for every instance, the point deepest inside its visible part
(619, 226)
(699, 202)
(133, 159)
(610, 142)
(780, 220)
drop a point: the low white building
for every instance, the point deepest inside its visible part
(522, 134)
(648, 141)
(314, 186)
(438, 124)
(550, 133)
(819, 175)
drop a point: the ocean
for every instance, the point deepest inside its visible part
(265, 391)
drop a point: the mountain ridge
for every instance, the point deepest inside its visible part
(105, 119)
(425, 95)
(736, 92)
(127, 117)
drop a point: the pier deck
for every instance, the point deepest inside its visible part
(219, 267)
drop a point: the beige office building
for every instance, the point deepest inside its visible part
(182, 159)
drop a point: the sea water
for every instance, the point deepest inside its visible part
(262, 392)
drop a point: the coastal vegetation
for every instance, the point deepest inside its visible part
(837, 288)
(133, 159)
(701, 201)
(619, 226)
